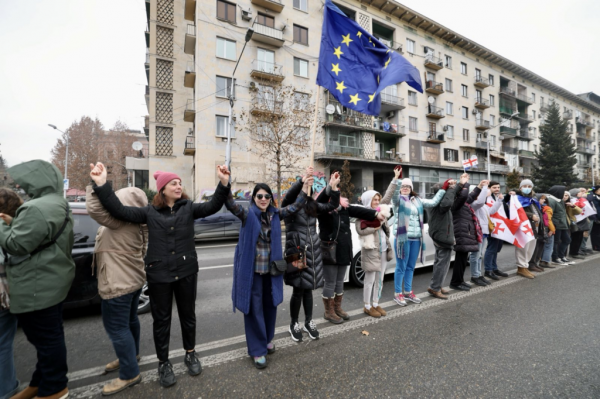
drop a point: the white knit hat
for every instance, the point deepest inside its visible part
(407, 182)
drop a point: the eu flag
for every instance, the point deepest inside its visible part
(355, 66)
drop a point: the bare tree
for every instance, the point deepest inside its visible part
(278, 123)
(116, 146)
(346, 185)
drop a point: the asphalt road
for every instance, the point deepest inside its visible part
(457, 348)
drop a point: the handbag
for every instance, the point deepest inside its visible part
(329, 248)
(278, 267)
(491, 225)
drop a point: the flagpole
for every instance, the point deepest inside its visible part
(314, 131)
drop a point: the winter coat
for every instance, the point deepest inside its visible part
(482, 211)
(595, 203)
(548, 213)
(120, 246)
(465, 232)
(301, 231)
(540, 230)
(559, 211)
(339, 219)
(44, 279)
(441, 227)
(171, 247)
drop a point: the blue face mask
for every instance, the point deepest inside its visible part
(526, 190)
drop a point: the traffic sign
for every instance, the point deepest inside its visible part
(66, 184)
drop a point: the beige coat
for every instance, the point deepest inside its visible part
(371, 258)
(120, 246)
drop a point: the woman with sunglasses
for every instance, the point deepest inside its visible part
(255, 292)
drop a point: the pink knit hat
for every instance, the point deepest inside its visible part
(162, 178)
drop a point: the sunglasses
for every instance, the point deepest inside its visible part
(265, 196)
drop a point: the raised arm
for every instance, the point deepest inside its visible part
(334, 195)
(435, 201)
(360, 212)
(473, 196)
(292, 194)
(448, 199)
(295, 207)
(236, 209)
(462, 195)
(214, 205)
(97, 212)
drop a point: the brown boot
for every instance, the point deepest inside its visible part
(437, 294)
(524, 272)
(330, 313)
(337, 302)
(114, 365)
(27, 393)
(443, 291)
(59, 395)
(118, 385)
(372, 312)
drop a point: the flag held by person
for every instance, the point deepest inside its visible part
(515, 229)
(355, 66)
(470, 163)
(586, 209)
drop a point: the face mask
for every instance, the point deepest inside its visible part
(526, 190)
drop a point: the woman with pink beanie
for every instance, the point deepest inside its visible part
(171, 261)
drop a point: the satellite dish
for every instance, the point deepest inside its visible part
(430, 100)
(339, 111)
(330, 109)
(136, 145)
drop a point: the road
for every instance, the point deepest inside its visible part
(475, 323)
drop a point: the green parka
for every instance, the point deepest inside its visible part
(44, 279)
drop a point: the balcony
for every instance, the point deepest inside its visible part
(266, 34)
(567, 115)
(147, 96)
(584, 122)
(189, 79)
(581, 134)
(481, 144)
(506, 109)
(525, 99)
(482, 103)
(189, 46)
(147, 66)
(147, 125)
(273, 5)
(494, 167)
(435, 112)
(482, 82)
(436, 137)
(525, 134)
(585, 150)
(189, 114)
(527, 154)
(544, 106)
(387, 42)
(525, 117)
(481, 124)
(343, 151)
(266, 106)
(507, 91)
(190, 10)
(509, 150)
(190, 146)
(433, 62)
(433, 87)
(147, 35)
(391, 103)
(266, 71)
(583, 164)
(508, 131)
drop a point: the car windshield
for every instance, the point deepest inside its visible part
(84, 230)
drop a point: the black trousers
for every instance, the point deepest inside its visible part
(44, 330)
(161, 304)
(576, 239)
(595, 236)
(458, 271)
(537, 253)
(301, 296)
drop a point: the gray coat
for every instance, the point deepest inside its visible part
(441, 227)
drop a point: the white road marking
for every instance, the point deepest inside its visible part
(214, 267)
(217, 246)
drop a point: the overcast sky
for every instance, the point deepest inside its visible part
(64, 59)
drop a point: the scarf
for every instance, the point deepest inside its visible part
(526, 201)
(403, 220)
(476, 222)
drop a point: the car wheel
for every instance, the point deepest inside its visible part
(357, 274)
(144, 302)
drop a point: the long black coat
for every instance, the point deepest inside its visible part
(465, 231)
(171, 251)
(301, 231)
(329, 222)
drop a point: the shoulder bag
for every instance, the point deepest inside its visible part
(329, 248)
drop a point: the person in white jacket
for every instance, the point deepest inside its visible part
(483, 212)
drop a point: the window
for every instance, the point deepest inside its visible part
(478, 95)
(492, 120)
(448, 62)
(492, 141)
(222, 127)
(140, 178)
(225, 48)
(301, 5)
(226, 11)
(533, 96)
(534, 131)
(491, 79)
(449, 85)
(301, 101)
(463, 68)
(265, 60)
(466, 135)
(466, 154)
(477, 73)
(449, 108)
(523, 144)
(410, 46)
(492, 100)
(412, 124)
(265, 20)
(412, 98)
(223, 86)
(465, 112)
(300, 35)
(300, 67)
(533, 113)
(464, 90)
(450, 155)
(542, 99)
(449, 131)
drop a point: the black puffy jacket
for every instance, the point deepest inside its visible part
(171, 251)
(465, 231)
(301, 231)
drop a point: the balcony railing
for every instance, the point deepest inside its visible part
(266, 106)
(480, 81)
(582, 121)
(508, 131)
(387, 42)
(344, 151)
(567, 115)
(273, 5)
(526, 134)
(482, 124)
(482, 103)
(526, 154)
(481, 144)
(525, 117)
(431, 86)
(268, 35)
(436, 137)
(583, 164)
(585, 150)
(190, 145)
(545, 106)
(189, 113)
(189, 79)
(392, 102)
(433, 62)
(494, 167)
(509, 150)
(507, 90)
(435, 112)
(524, 98)
(189, 46)
(506, 110)
(266, 70)
(580, 134)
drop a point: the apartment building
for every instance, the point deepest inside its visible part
(473, 97)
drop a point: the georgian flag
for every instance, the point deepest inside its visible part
(470, 163)
(587, 209)
(515, 230)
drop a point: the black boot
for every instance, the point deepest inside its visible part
(166, 375)
(192, 363)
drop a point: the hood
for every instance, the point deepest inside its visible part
(132, 196)
(557, 191)
(37, 178)
(367, 197)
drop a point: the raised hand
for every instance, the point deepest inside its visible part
(464, 178)
(309, 173)
(98, 173)
(335, 180)
(223, 174)
(483, 183)
(397, 172)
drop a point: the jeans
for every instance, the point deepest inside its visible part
(8, 376)
(548, 248)
(121, 323)
(334, 280)
(44, 330)
(475, 258)
(405, 268)
(583, 249)
(441, 264)
(259, 323)
(301, 296)
(491, 254)
(562, 239)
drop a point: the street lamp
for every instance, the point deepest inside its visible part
(230, 97)
(66, 153)
(489, 170)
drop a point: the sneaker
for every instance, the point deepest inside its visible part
(500, 273)
(577, 256)
(260, 362)
(546, 265)
(270, 348)
(567, 261)
(558, 262)
(311, 328)
(296, 332)
(166, 375)
(485, 280)
(192, 363)
(412, 297)
(466, 284)
(400, 299)
(492, 275)
(477, 281)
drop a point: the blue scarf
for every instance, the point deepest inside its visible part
(403, 219)
(245, 252)
(526, 201)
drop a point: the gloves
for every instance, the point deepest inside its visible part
(446, 185)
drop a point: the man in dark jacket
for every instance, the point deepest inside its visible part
(441, 231)
(562, 239)
(594, 200)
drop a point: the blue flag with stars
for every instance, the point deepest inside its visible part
(355, 66)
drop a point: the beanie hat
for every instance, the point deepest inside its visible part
(407, 182)
(526, 182)
(162, 178)
(573, 192)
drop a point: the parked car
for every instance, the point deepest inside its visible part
(222, 224)
(84, 289)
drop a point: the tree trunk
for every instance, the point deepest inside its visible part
(279, 176)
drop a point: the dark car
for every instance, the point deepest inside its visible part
(84, 290)
(222, 224)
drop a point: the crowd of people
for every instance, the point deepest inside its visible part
(154, 242)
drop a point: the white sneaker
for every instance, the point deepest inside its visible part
(400, 300)
(567, 261)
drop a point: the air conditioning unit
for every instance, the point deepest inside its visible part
(445, 128)
(474, 112)
(253, 86)
(247, 14)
